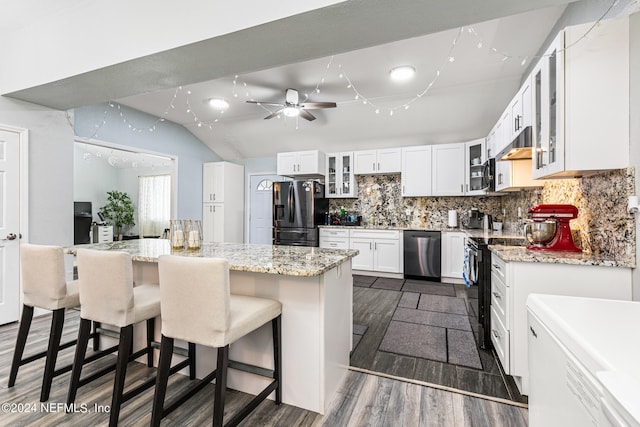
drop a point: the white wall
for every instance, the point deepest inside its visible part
(91, 35)
(169, 139)
(50, 169)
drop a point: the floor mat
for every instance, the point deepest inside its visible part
(428, 342)
(388, 284)
(442, 304)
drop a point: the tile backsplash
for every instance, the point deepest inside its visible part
(603, 225)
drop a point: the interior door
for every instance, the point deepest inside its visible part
(9, 226)
(261, 213)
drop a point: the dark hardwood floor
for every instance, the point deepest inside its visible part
(363, 399)
(375, 301)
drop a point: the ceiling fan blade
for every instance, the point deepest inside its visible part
(307, 115)
(317, 105)
(265, 103)
(272, 115)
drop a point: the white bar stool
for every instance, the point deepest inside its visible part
(197, 307)
(44, 286)
(107, 295)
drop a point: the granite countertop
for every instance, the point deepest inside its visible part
(394, 227)
(522, 254)
(285, 260)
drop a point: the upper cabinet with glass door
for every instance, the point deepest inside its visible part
(581, 102)
(340, 180)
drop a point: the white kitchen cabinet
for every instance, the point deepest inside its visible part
(575, 92)
(340, 181)
(334, 238)
(416, 171)
(520, 110)
(380, 250)
(514, 175)
(448, 169)
(223, 207)
(453, 243)
(368, 162)
(474, 158)
(301, 163)
(511, 284)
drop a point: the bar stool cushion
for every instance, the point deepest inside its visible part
(197, 305)
(107, 294)
(45, 286)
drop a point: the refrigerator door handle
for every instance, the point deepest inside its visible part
(291, 204)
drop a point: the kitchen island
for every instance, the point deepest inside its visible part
(315, 287)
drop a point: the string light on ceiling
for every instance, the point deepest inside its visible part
(342, 74)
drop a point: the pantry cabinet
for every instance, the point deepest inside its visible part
(301, 163)
(381, 161)
(340, 181)
(223, 202)
(581, 101)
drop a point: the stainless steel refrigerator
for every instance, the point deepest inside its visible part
(298, 208)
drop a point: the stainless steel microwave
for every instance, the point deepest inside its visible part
(489, 175)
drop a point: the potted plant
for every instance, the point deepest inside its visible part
(118, 211)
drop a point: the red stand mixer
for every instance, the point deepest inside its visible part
(548, 228)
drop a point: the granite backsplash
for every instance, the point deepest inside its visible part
(603, 225)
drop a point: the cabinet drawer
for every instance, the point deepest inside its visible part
(329, 232)
(499, 298)
(499, 267)
(500, 340)
(375, 234)
(334, 243)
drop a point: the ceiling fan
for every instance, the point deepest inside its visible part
(292, 108)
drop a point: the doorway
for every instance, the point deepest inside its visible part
(260, 211)
(13, 214)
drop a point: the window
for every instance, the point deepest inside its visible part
(265, 185)
(154, 205)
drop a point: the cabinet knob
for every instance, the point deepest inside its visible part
(495, 333)
(378, 165)
(497, 295)
(496, 266)
(533, 332)
(373, 166)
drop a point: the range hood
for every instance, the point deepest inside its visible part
(520, 148)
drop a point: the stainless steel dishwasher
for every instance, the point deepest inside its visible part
(422, 254)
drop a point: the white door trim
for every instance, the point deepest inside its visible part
(24, 177)
(23, 173)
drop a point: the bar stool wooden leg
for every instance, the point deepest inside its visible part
(96, 336)
(221, 386)
(21, 341)
(78, 361)
(151, 329)
(57, 323)
(162, 378)
(192, 359)
(277, 359)
(124, 350)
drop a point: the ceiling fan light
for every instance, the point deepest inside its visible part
(291, 111)
(402, 73)
(218, 104)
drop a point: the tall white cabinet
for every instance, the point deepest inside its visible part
(223, 202)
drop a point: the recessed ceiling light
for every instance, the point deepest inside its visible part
(291, 111)
(218, 104)
(402, 73)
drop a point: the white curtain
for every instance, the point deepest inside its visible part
(154, 204)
